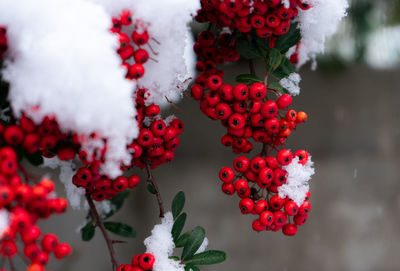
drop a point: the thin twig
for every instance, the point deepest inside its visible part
(172, 104)
(11, 264)
(99, 223)
(150, 179)
(251, 66)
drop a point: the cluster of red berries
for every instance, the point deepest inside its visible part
(155, 145)
(140, 262)
(257, 182)
(130, 49)
(25, 205)
(266, 17)
(157, 138)
(3, 41)
(244, 110)
(248, 111)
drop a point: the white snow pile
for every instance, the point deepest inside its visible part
(4, 221)
(291, 83)
(63, 59)
(67, 171)
(298, 177)
(317, 24)
(161, 245)
(383, 51)
(167, 23)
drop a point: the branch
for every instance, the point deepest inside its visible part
(99, 223)
(251, 66)
(11, 264)
(150, 179)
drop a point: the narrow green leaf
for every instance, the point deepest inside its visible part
(194, 268)
(247, 78)
(207, 257)
(151, 189)
(274, 59)
(284, 69)
(88, 231)
(117, 202)
(177, 204)
(187, 268)
(278, 87)
(182, 240)
(120, 229)
(248, 49)
(178, 226)
(193, 242)
(36, 159)
(291, 38)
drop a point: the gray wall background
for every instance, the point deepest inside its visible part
(353, 134)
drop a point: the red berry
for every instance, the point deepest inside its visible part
(241, 164)
(289, 229)
(267, 218)
(246, 205)
(227, 175)
(284, 157)
(269, 109)
(147, 261)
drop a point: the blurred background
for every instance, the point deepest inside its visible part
(353, 104)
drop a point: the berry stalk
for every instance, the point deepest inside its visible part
(150, 179)
(99, 223)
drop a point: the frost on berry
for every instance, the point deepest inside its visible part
(298, 178)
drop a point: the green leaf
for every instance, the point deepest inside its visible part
(178, 226)
(175, 258)
(288, 40)
(120, 229)
(182, 240)
(177, 204)
(193, 242)
(151, 189)
(35, 159)
(261, 43)
(88, 231)
(117, 202)
(247, 79)
(248, 49)
(187, 268)
(194, 268)
(278, 87)
(274, 59)
(207, 257)
(284, 69)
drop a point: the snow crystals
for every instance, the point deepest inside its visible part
(298, 177)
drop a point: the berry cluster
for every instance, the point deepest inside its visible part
(25, 205)
(158, 138)
(257, 182)
(251, 112)
(140, 262)
(155, 145)
(265, 17)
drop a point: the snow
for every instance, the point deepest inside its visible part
(291, 83)
(203, 246)
(298, 177)
(63, 58)
(387, 39)
(4, 221)
(167, 22)
(67, 171)
(317, 24)
(286, 3)
(161, 245)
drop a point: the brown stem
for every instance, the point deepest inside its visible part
(99, 223)
(251, 66)
(11, 264)
(150, 179)
(27, 176)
